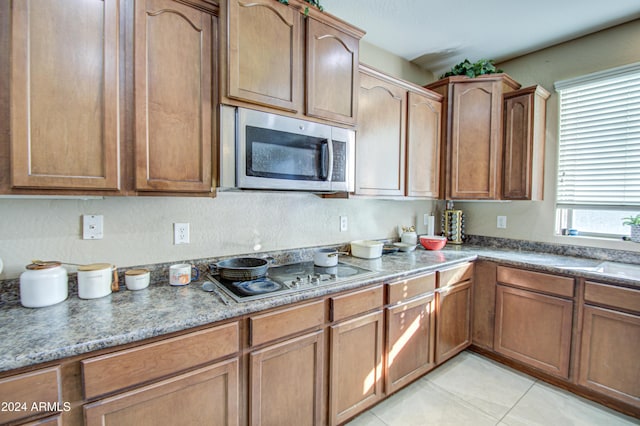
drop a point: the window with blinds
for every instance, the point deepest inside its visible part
(599, 151)
(599, 157)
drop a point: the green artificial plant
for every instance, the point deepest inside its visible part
(632, 220)
(481, 67)
(315, 3)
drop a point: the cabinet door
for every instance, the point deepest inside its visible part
(356, 366)
(332, 73)
(517, 145)
(609, 354)
(410, 341)
(475, 151)
(524, 140)
(380, 140)
(534, 328)
(484, 303)
(264, 53)
(286, 385)
(423, 146)
(64, 94)
(453, 320)
(207, 396)
(173, 86)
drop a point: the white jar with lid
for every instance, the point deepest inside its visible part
(43, 284)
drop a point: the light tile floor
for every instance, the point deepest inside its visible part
(472, 390)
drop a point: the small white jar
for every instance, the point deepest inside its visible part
(94, 281)
(43, 285)
(137, 279)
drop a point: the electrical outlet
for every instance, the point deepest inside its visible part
(92, 226)
(344, 223)
(180, 233)
(502, 222)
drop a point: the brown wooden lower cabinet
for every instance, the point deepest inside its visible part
(286, 382)
(609, 353)
(356, 366)
(534, 328)
(22, 392)
(209, 395)
(453, 320)
(410, 330)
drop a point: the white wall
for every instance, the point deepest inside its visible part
(535, 220)
(138, 230)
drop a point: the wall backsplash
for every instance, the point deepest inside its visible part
(139, 230)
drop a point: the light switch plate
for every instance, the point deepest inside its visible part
(92, 226)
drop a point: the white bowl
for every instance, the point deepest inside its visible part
(405, 246)
(366, 249)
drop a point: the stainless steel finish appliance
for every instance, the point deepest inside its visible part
(260, 150)
(289, 279)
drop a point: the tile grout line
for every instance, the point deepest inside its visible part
(518, 401)
(463, 401)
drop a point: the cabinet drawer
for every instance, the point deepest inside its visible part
(612, 296)
(546, 283)
(26, 389)
(276, 325)
(356, 303)
(454, 275)
(111, 372)
(406, 289)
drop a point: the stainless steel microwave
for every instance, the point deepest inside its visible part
(260, 150)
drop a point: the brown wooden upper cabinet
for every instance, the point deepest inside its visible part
(173, 97)
(332, 73)
(264, 57)
(472, 135)
(65, 131)
(264, 46)
(524, 141)
(397, 142)
(110, 97)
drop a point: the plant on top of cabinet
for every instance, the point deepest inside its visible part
(481, 67)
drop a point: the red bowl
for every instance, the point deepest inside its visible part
(432, 242)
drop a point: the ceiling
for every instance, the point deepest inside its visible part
(438, 35)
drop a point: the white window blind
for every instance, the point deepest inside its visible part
(599, 156)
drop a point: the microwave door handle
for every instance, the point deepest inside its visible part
(325, 160)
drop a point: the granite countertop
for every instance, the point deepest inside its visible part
(76, 326)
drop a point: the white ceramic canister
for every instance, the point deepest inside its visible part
(137, 279)
(43, 284)
(95, 280)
